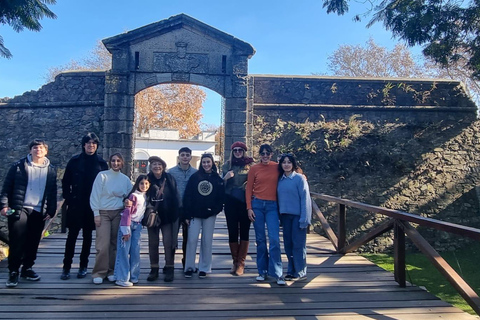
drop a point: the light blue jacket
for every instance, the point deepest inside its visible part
(294, 197)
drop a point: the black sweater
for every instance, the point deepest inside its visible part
(204, 195)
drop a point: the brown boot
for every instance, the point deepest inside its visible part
(242, 254)
(234, 251)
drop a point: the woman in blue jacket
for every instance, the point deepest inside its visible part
(296, 214)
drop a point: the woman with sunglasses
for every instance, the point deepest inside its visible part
(296, 214)
(261, 197)
(235, 173)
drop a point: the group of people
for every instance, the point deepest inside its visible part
(102, 198)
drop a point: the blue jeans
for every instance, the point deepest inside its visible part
(266, 212)
(128, 268)
(295, 243)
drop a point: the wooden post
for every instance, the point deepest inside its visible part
(399, 254)
(342, 232)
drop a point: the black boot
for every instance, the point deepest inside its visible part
(153, 275)
(169, 271)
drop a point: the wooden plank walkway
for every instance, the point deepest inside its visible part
(338, 287)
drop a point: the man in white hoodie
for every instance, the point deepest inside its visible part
(28, 198)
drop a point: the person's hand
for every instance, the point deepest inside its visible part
(187, 222)
(125, 237)
(229, 175)
(47, 217)
(3, 212)
(127, 203)
(251, 215)
(98, 222)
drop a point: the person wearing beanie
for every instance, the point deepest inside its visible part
(77, 185)
(235, 172)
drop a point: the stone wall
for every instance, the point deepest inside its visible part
(60, 112)
(423, 160)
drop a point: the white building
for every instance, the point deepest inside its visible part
(165, 143)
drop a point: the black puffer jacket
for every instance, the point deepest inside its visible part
(204, 195)
(77, 185)
(15, 187)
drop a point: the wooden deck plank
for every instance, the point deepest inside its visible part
(338, 287)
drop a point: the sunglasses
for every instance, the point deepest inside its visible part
(238, 150)
(265, 153)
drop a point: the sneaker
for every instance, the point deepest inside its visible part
(124, 283)
(281, 281)
(261, 277)
(65, 274)
(97, 280)
(82, 273)
(202, 274)
(12, 279)
(188, 273)
(29, 274)
(111, 278)
(303, 278)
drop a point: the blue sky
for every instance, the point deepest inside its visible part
(290, 37)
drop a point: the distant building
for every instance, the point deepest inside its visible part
(165, 143)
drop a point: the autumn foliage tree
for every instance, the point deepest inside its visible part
(166, 106)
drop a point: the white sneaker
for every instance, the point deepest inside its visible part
(111, 278)
(281, 281)
(97, 280)
(123, 283)
(261, 277)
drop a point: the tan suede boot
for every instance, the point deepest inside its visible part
(242, 254)
(234, 251)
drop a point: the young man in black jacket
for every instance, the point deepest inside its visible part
(29, 188)
(77, 183)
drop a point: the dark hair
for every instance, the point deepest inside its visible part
(119, 155)
(207, 155)
(37, 142)
(185, 149)
(90, 136)
(265, 147)
(292, 159)
(137, 183)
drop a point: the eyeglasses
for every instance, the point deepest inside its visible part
(265, 153)
(238, 150)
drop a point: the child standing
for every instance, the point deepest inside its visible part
(127, 269)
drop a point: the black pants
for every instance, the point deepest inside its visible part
(70, 247)
(237, 220)
(24, 232)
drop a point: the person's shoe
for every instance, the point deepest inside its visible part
(65, 274)
(303, 278)
(12, 280)
(134, 281)
(98, 280)
(290, 277)
(202, 274)
(281, 281)
(153, 275)
(188, 273)
(124, 283)
(29, 274)
(169, 274)
(111, 278)
(261, 277)
(82, 273)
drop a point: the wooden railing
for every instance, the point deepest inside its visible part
(400, 223)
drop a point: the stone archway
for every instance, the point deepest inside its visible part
(176, 50)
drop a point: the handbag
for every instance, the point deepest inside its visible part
(151, 219)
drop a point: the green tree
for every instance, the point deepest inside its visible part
(447, 30)
(21, 14)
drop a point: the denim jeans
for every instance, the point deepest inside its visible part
(295, 243)
(128, 268)
(266, 212)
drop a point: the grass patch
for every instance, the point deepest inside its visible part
(421, 272)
